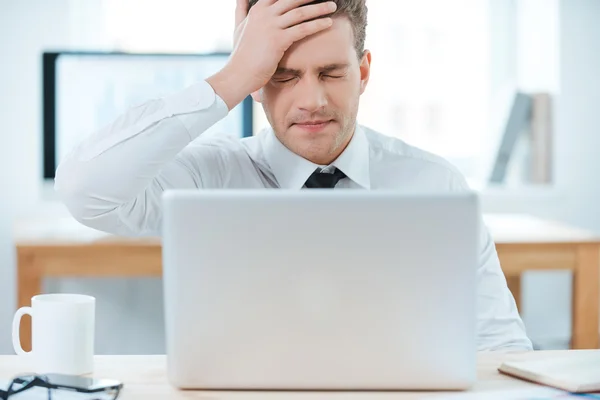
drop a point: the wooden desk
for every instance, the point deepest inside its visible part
(525, 243)
(144, 377)
(64, 248)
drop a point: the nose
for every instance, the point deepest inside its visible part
(310, 95)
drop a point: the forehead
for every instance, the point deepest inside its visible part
(331, 46)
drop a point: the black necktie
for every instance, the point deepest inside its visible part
(323, 180)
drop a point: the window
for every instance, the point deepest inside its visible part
(177, 26)
(430, 76)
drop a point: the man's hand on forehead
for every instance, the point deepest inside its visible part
(263, 33)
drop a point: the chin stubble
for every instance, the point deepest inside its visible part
(342, 137)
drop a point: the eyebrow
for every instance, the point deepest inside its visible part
(334, 67)
(323, 69)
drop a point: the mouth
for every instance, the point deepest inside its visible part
(313, 126)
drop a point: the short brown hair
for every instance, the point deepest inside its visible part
(356, 11)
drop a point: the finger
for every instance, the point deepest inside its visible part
(283, 6)
(241, 11)
(306, 13)
(266, 3)
(300, 31)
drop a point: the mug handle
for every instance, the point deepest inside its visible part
(16, 330)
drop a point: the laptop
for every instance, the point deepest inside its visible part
(320, 290)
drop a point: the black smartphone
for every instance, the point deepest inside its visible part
(81, 383)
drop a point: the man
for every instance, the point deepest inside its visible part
(305, 62)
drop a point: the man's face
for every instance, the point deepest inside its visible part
(312, 100)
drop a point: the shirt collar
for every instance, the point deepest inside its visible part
(291, 170)
(354, 161)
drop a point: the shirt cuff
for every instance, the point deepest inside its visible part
(202, 98)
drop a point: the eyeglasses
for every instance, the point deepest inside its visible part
(23, 383)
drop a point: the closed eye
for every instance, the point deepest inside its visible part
(283, 80)
(334, 76)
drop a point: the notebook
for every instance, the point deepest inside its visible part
(575, 371)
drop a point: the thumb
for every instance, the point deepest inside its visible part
(241, 11)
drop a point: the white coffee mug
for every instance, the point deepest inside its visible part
(62, 327)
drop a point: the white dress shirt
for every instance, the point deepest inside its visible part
(113, 181)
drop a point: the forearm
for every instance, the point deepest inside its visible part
(118, 167)
(230, 85)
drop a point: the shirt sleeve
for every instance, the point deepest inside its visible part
(114, 180)
(499, 326)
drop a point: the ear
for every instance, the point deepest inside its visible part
(365, 70)
(257, 96)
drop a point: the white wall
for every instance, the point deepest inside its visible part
(577, 122)
(25, 27)
(126, 308)
(578, 119)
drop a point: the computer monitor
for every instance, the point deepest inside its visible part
(84, 91)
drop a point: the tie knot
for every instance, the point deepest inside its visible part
(324, 180)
